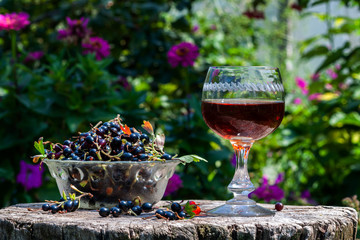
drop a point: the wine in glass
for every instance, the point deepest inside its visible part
(242, 104)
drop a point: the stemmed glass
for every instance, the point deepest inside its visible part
(242, 104)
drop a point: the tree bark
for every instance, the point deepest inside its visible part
(293, 222)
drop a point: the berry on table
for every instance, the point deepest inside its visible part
(170, 215)
(76, 205)
(160, 212)
(147, 207)
(115, 211)
(104, 212)
(166, 156)
(137, 210)
(46, 207)
(279, 206)
(176, 207)
(55, 208)
(68, 205)
(123, 205)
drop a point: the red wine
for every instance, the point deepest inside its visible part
(242, 118)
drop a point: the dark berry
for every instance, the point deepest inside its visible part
(114, 132)
(115, 211)
(143, 157)
(92, 152)
(54, 208)
(170, 215)
(100, 132)
(144, 138)
(141, 144)
(147, 207)
(68, 205)
(135, 159)
(123, 205)
(90, 158)
(130, 204)
(114, 125)
(137, 210)
(106, 124)
(182, 214)
(126, 156)
(58, 154)
(57, 148)
(84, 134)
(89, 139)
(176, 207)
(128, 146)
(116, 143)
(67, 151)
(104, 212)
(166, 156)
(51, 155)
(76, 205)
(46, 207)
(138, 150)
(67, 143)
(279, 206)
(160, 212)
(102, 142)
(133, 138)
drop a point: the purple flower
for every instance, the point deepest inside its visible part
(302, 84)
(174, 184)
(195, 28)
(33, 56)
(233, 160)
(331, 73)
(77, 29)
(315, 96)
(98, 46)
(315, 76)
(305, 195)
(184, 53)
(269, 192)
(14, 21)
(123, 82)
(337, 66)
(63, 33)
(297, 101)
(213, 27)
(30, 176)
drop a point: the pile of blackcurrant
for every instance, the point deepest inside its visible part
(109, 141)
(126, 207)
(68, 206)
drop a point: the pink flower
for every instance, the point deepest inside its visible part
(174, 184)
(315, 96)
(331, 73)
(343, 86)
(302, 84)
(315, 76)
(213, 27)
(297, 101)
(337, 66)
(33, 56)
(98, 46)
(30, 176)
(184, 53)
(77, 29)
(14, 21)
(63, 33)
(328, 86)
(195, 28)
(269, 192)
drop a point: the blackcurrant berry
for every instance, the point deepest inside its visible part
(176, 207)
(160, 212)
(58, 154)
(89, 139)
(170, 215)
(57, 148)
(67, 143)
(143, 157)
(128, 146)
(68, 205)
(76, 205)
(137, 210)
(138, 150)
(114, 132)
(104, 212)
(147, 207)
(67, 151)
(182, 214)
(116, 143)
(114, 125)
(130, 204)
(102, 142)
(46, 207)
(123, 205)
(100, 132)
(135, 159)
(279, 206)
(126, 156)
(106, 124)
(92, 152)
(133, 138)
(54, 208)
(115, 211)
(144, 138)
(90, 158)
(51, 155)
(166, 156)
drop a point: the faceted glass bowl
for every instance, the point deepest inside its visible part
(111, 181)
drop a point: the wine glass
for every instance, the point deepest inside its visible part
(242, 104)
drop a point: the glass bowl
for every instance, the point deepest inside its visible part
(111, 181)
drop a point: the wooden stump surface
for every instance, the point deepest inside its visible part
(294, 222)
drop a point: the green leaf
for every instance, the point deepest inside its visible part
(64, 195)
(191, 158)
(339, 119)
(189, 209)
(39, 146)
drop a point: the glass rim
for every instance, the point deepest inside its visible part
(110, 162)
(243, 67)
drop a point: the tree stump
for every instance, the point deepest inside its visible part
(294, 222)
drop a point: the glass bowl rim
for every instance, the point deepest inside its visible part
(243, 67)
(111, 162)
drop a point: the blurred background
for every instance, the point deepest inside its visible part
(66, 64)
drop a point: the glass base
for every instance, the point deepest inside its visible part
(241, 211)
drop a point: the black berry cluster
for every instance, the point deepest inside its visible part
(126, 207)
(110, 141)
(62, 206)
(177, 212)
